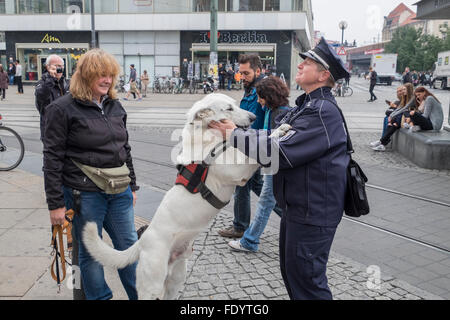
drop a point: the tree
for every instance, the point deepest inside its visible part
(416, 50)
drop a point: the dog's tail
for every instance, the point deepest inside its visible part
(106, 255)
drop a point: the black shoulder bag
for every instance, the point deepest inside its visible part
(356, 201)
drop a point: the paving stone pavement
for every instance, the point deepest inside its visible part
(217, 272)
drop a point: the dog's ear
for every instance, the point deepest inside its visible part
(203, 114)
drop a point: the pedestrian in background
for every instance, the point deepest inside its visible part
(18, 77)
(4, 80)
(11, 73)
(373, 82)
(407, 76)
(52, 85)
(145, 80)
(222, 76)
(407, 101)
(273, 95)
(230, 77)
(85, 132)
(428, 113)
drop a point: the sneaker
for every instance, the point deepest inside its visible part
(231, 233)
(414, 129)
(125, 99)
(379, 148)
(236, 245)
(406, 125)
(375, 143)
(140, 99)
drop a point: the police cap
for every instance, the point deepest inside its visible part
(324, 54)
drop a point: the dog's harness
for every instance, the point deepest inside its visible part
(58, 248)
(193, 177)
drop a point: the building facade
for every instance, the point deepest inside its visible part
(159, 36)
(402, 16)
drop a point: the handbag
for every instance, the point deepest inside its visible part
(110, 180)
(356, 201)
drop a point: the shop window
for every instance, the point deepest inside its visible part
(204, 5)
(172, 5)
(297, 5)
(251, 5)
(272, 5)
(8, 6)
(34, 6)
(33, 60)
(67, 6)
(102, 6)
(137, 6)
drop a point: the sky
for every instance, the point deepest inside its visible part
(364, 18)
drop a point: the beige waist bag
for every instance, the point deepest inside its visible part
(110, 180)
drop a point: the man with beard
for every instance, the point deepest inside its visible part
(250, 68)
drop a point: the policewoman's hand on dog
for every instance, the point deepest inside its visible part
(225, 127)
(58, 216)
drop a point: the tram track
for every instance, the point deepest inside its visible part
(373, 226)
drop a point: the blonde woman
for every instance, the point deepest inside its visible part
(87, 129)
(395, 119)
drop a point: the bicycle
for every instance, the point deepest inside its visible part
(342, 90)
(12, 149)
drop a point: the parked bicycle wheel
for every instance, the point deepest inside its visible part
(348, 92)
(12, 149)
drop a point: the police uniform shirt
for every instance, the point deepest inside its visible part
(312, 159)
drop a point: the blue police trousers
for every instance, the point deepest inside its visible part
(304, 251)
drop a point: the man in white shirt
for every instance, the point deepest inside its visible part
(18, 77)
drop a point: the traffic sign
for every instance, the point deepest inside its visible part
(342, 52)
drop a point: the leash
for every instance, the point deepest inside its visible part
(59, 261)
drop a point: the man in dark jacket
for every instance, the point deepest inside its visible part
(51, 86)
(373, 82)
(310, 184)
(222, 76)
(230, 77)
(407, 76)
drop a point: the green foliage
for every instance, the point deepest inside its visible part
(416, 50)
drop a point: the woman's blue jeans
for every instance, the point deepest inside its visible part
(115, 213)
(266, 204)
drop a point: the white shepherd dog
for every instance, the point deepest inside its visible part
(164, 248)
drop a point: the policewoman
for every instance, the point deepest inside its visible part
(311, 181)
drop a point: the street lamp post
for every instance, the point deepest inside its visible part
(93, 36)
(343, 25)
(213, 57)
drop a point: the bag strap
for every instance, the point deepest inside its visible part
(350, 149)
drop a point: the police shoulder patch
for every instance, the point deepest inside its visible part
(288, 135)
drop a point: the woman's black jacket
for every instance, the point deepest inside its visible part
(82, 131)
